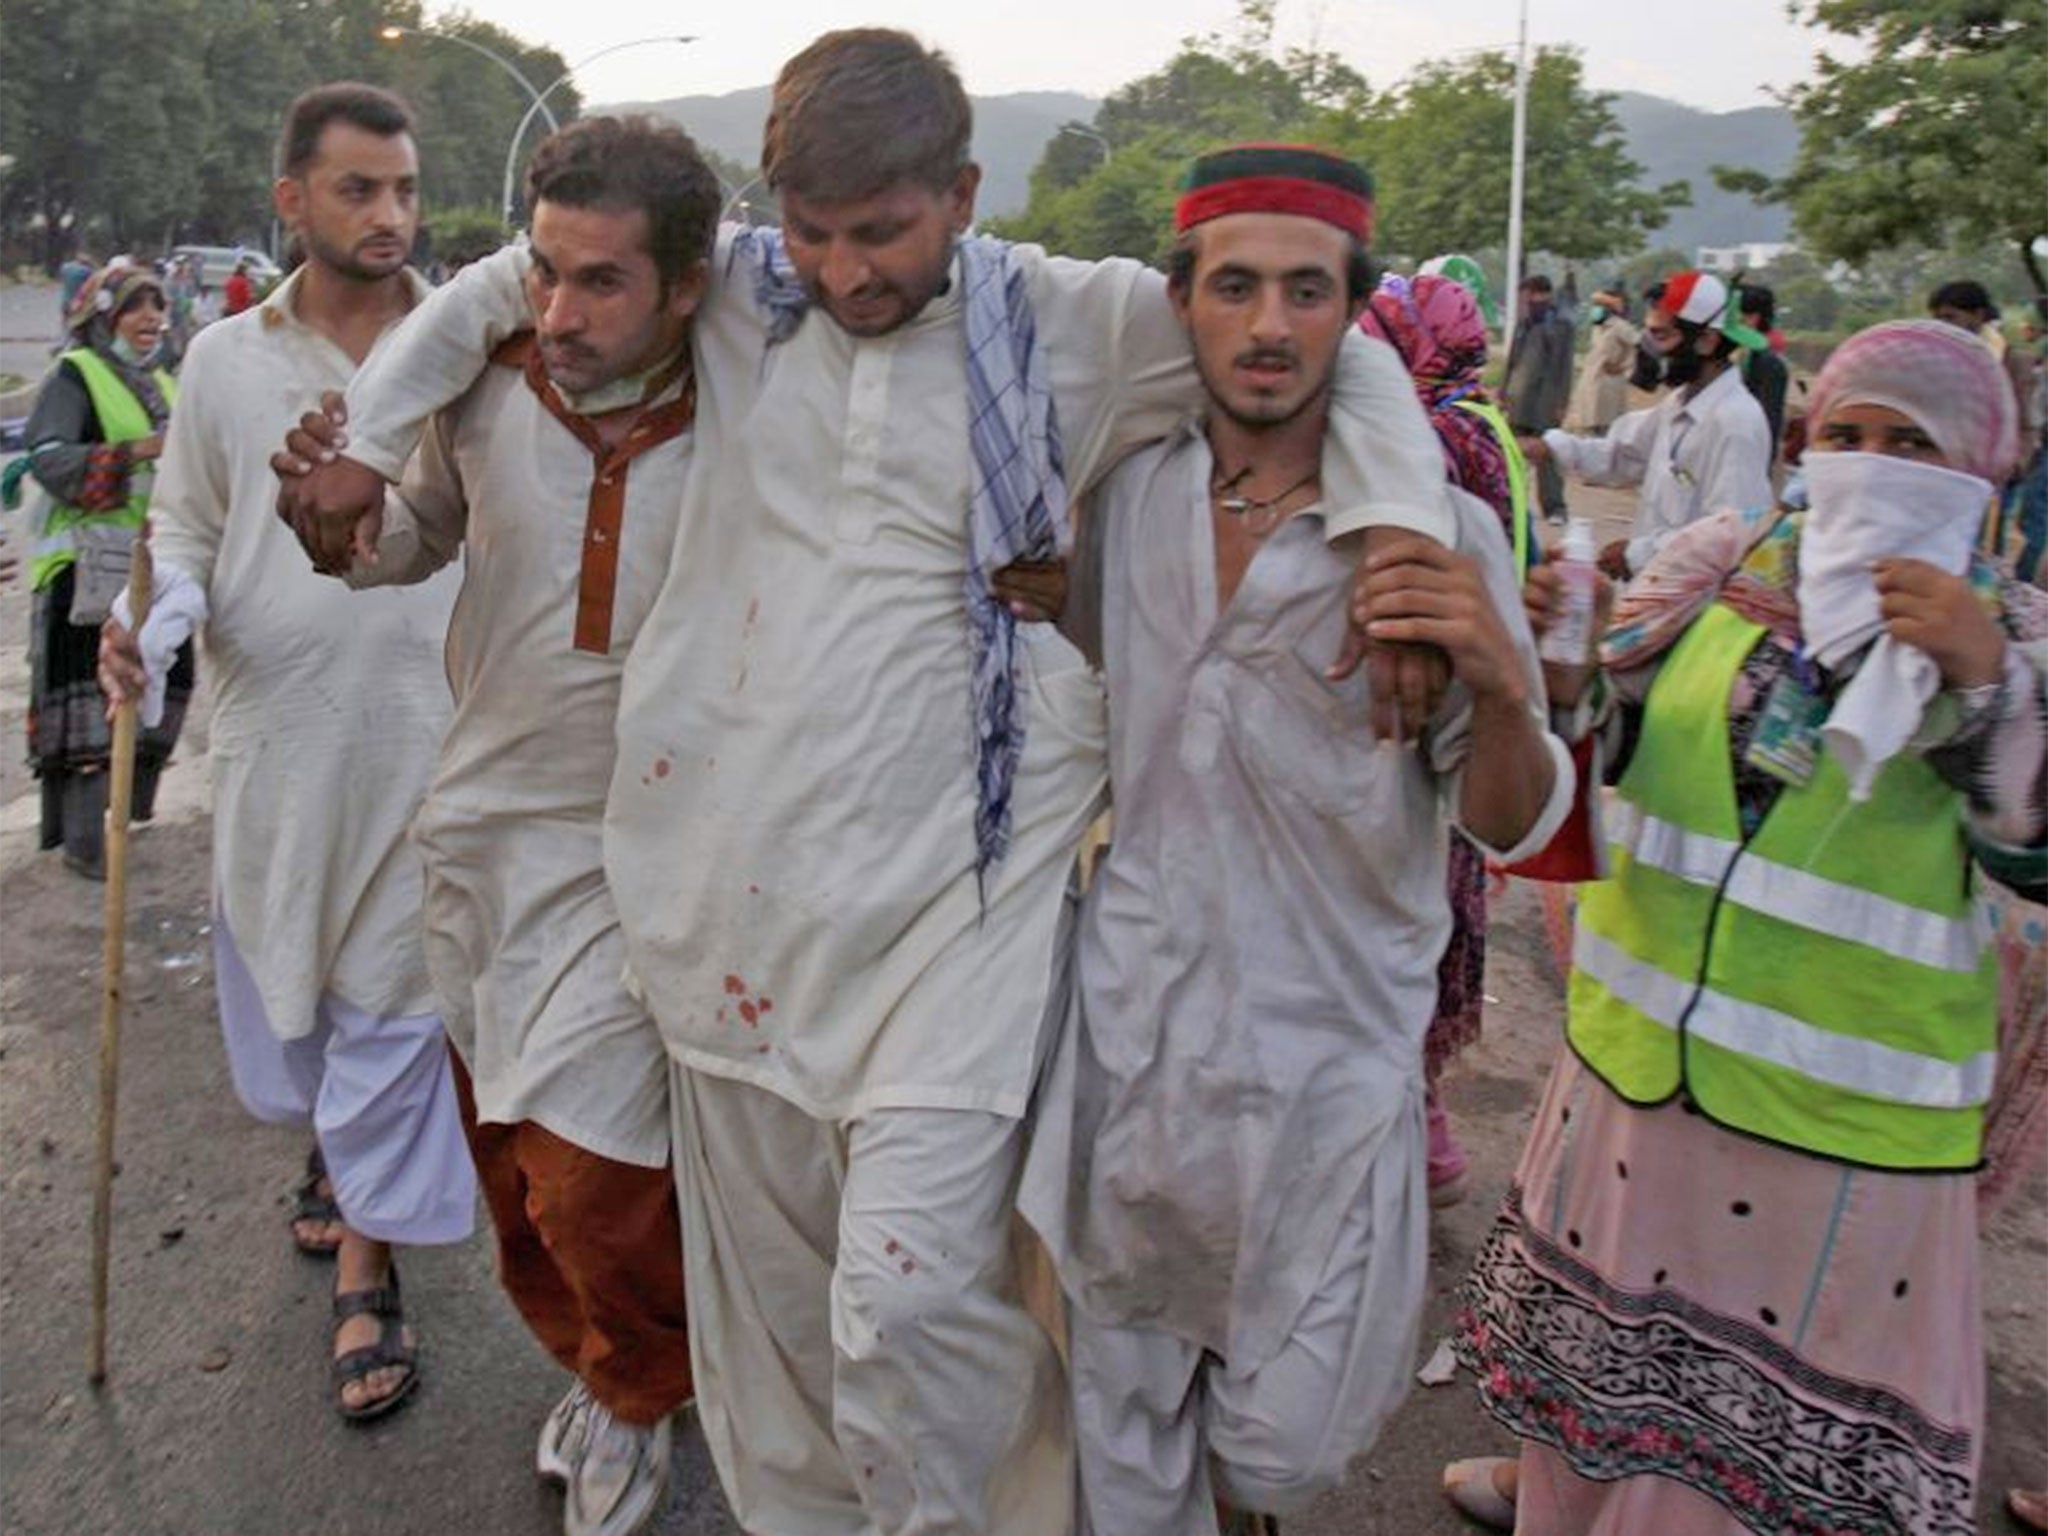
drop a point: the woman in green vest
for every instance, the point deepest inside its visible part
(95, 433)
(1434, 323)
(1734, 1283)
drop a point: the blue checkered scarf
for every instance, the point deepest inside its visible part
(1019, 511)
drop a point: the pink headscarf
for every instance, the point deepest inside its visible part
(1435, 326)
(1938, 374)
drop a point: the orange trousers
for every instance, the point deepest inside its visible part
(591, 1252)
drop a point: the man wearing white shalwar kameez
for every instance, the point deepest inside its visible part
(853, 999)
(328, 713)
(1229, 1160)
(562, 472)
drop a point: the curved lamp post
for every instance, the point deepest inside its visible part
(540, 105)
(391, 32)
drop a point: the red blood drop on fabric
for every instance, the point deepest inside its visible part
(892, 1246)
(734, 985)
(661, 767)
(747, 1013)
(767, 1004)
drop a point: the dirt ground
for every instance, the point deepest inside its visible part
(216, 1421)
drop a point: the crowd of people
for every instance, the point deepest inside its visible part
(665, 679)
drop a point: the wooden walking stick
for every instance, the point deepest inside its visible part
(120, 800)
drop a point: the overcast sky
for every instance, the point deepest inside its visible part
(1720, 56)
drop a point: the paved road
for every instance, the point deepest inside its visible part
(216, 1420)
(28, 325)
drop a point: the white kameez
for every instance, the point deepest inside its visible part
(327, 714)
(1256, 967)
(522, 937)
(789, 838)
(804, 674)
(328, 708)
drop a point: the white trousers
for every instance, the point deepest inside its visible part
(864, 1364)
(1152, 1409)
(378, 1094)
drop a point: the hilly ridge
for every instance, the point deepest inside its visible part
(1672, 141)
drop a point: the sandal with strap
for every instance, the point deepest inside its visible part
(383, 1303)
(308, 1204)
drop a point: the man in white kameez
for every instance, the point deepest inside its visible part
(566, 1082)
(1229, 1162)
(328, 713)
(849, 792)
(1706, 445)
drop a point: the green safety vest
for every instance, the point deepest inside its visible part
(122, 419)
(1826, 983)
(1518, 477)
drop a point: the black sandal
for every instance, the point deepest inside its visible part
(382, 1303)
(308, 1204)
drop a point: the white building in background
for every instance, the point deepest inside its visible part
(1747, 257)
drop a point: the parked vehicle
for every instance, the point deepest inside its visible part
(216, 262)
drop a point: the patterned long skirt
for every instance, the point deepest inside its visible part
(1697, 1333)
(67, 717)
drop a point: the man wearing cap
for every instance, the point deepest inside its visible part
(1229, 1161)
(850, 788)
(1704, 446)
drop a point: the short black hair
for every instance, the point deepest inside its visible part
(1963, 294)
(1361, 271)
(1756, 299)
(1535, 282)
(369, 107)
(634, 162)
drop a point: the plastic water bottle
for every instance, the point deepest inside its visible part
(1569, 639)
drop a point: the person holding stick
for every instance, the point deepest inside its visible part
(328, 714)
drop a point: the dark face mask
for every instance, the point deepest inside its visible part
(1677, 368)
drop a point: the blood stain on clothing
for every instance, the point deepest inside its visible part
(749, 1013)
(734, 985)
(892, 1247)
(662, 767)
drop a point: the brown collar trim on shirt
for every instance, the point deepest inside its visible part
(605, 514)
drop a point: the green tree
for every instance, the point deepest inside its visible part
(134, 125)
(1109, 189)
(1442, 157)
(1438, 145)
(1934, 135)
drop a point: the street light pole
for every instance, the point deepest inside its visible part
(1081, 131)
(1515, 179)
(540, 105)
(391, 32)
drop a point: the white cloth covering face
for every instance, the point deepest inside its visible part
(522, 937)
(798, 888)
(1257, 958)
(328, 706)
(1867, 507)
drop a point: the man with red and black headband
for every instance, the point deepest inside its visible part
(850, 789)
(1229, 1161)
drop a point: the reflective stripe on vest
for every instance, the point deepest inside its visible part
(1518, 478)
(122, 418)
(1826, 982)
(1858, 1066)
(1799, 896)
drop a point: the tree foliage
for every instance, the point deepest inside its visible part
(138, 125)
(1438, 144)
(1935, 136)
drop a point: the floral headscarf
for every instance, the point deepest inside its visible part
(1435, 325)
